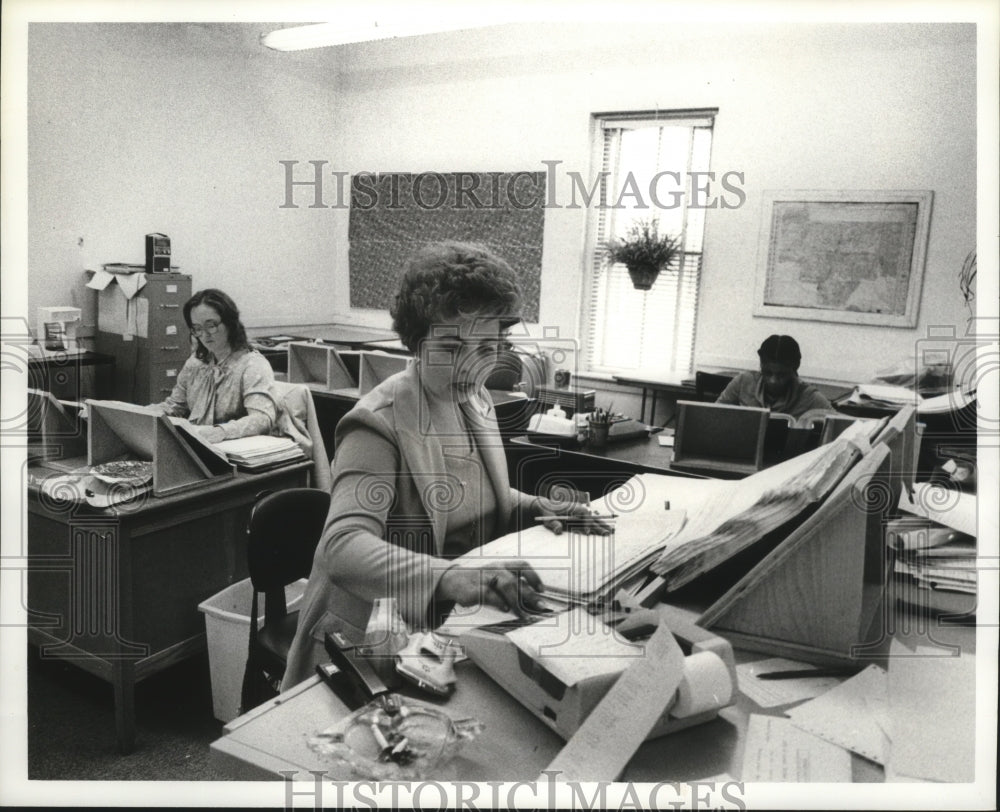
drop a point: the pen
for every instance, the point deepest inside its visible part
(576, 518)
(809, 672)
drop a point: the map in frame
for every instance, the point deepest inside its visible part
(854, 257)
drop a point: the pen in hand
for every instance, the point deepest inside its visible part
(576, 518)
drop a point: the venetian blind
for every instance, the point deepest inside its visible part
(646, 165)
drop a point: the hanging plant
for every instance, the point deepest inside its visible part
(644, 251)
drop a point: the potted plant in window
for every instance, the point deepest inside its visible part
(644, 251)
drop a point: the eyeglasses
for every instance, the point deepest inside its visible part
(208, 328)
(482, 346)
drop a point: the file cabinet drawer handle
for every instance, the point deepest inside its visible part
(166, 390)
(169, 306)
(169, 348)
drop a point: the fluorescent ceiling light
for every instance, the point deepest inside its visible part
(322, 35)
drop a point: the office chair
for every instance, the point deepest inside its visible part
(297, 419)
(282, 534)
(709, 385)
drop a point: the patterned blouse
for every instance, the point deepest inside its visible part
(236, 395)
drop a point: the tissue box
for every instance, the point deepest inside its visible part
(549, 424)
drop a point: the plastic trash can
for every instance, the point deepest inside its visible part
(227, 627)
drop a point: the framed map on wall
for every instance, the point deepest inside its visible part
(855, 257)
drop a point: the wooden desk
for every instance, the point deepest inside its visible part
(675, 384)
(515, 746)
(535, 463)
(682, 387)
(117, 594)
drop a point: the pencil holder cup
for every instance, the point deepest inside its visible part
(597, 434)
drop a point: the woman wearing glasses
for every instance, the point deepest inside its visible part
(420, 475)
(225, 387)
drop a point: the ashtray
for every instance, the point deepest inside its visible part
(395, 739)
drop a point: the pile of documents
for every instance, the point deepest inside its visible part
(583, 567)
(882, 394)
(917, 718)
(260, 453)
(736, 514)
(890, 396)
(935, 544)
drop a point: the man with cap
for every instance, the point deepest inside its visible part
(777, 386)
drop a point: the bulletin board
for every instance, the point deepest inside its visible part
(393, 214)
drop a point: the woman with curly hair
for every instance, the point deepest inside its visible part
(420, 475)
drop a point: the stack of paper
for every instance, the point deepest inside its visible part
(260, 453)
(948, 402)
(917, 719)
(936, 560)
(883, 394)
(742, 512)
(583, 567)
(947, 506)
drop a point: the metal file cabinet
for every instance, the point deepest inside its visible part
(147, 361)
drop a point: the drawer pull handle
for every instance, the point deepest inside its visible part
(169, 306)
(169, 348)
(167, 390)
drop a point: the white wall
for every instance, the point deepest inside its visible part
(173, 128)
(132, 131)
(800, 107)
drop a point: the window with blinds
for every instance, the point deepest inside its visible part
(647, 161)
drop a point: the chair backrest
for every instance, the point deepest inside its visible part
(719, 438)
(709, 385)
(282, 534)
(834, 425)
(297, 419)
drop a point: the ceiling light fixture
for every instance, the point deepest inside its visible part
(323, 35)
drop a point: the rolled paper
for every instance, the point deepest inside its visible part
(706, 685)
